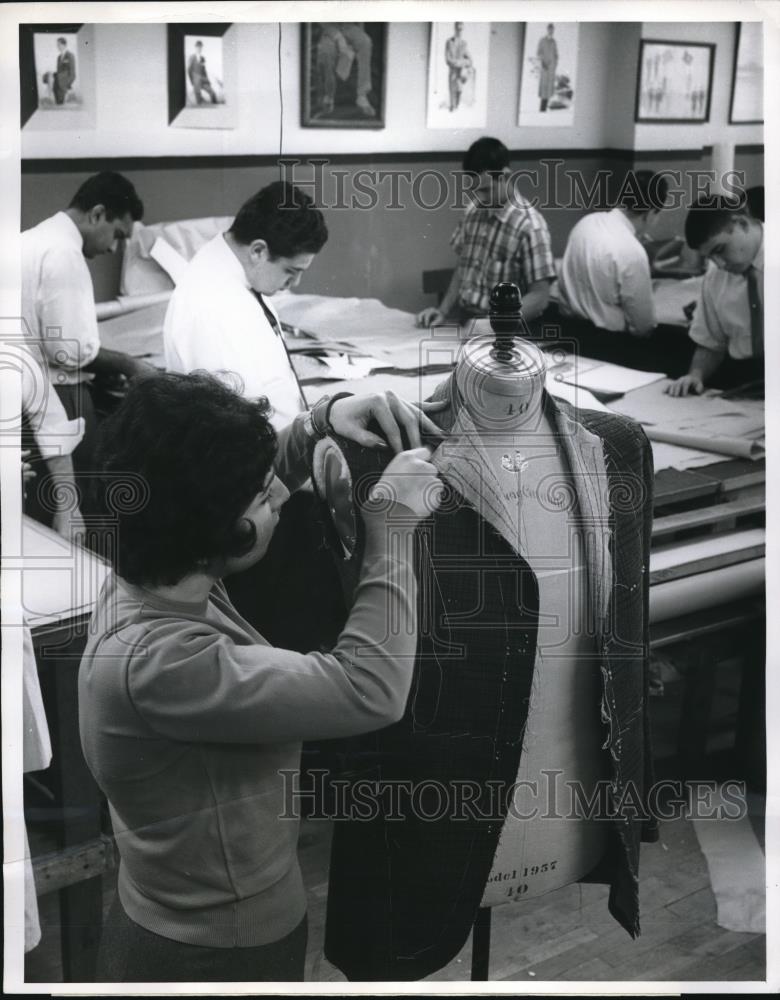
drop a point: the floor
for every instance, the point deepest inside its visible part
(566, 936)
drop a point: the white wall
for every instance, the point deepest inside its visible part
(132, 105)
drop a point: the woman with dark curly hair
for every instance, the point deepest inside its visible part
(189, 719)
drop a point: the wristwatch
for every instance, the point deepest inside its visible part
(316, 421)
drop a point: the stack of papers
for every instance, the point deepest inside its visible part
(599, 377)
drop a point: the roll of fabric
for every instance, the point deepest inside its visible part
(706, 590)
(737, 447)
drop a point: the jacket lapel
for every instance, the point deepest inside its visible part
(585, 454)
(462, 460)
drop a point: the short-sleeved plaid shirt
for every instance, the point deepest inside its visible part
(511, 243)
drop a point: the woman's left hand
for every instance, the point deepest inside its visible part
(350, 417)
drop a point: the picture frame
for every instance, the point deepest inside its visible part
(57, 77)
(674, 82)
(202, 76)
(343, 74)
(548, 74)
(747, 75)
(458, 73)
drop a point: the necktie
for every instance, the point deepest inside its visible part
(278, 331)
(756, 313)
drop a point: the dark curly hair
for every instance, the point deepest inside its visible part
(285, 218)
(711, 215)
(200, 453)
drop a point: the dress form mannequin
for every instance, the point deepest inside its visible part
(544, 844)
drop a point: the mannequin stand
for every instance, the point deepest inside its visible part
(480, 946)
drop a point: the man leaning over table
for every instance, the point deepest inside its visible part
(605, 271)
(501, 237)
(58, 300)
(728, 323)
(219, 317)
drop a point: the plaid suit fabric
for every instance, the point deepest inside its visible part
(405, 890)
(508, 244)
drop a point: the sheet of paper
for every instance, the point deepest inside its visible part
(709, 422)
(671, 456)
(610, 378)
(579, 398)
(139, 333)
(334, 366)
(59, 580)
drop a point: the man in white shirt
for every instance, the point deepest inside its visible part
(58, 300)
(605, 272)
(728, 323)
(219, 318)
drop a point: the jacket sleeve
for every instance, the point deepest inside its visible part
(190, 681)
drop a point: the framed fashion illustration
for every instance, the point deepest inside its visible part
(458, 74)
(343, 74)
(548, 75)
(202, 76)
(747, 78)
(674, 82)
(57, 76)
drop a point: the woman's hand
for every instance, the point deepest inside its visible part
(411, 481)
(350, 418)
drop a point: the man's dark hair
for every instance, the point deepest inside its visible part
(62, 41)
(198, 454)
(486, 155)
(285, 218)
(711, 215)
(111, 190)
(642, 191)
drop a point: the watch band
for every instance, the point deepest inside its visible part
(316, 421)
(329, 407)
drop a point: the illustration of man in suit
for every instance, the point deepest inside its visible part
(547, 54)
(65, 74)
(198, 75)
(458, 59)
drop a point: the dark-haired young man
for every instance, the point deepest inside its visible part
(605, 272)
(58, 300)
(501, 237)
(728, 324)
(218, 318)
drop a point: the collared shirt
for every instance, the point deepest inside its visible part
(605, 274)
(58, 299)
(507, 244)
(214, 322)
(721, 321)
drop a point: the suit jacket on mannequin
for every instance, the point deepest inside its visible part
(406, 882)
